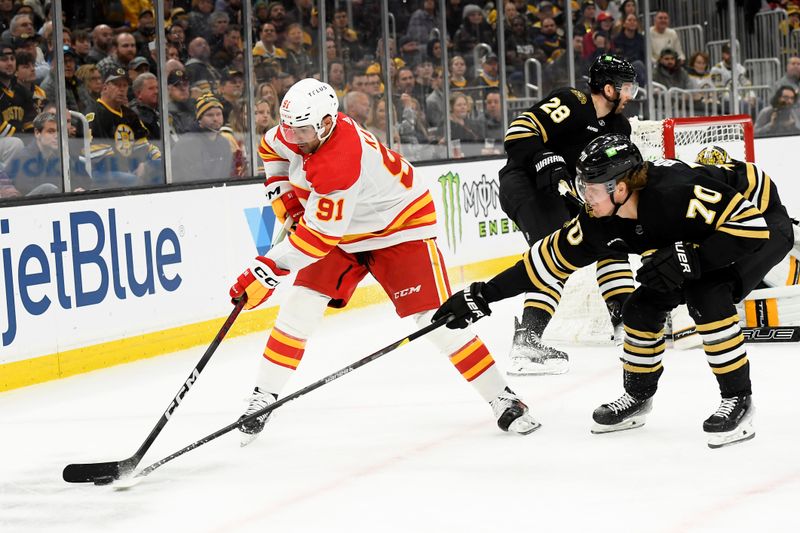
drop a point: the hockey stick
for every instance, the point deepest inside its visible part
(102, 473)
(302, 392)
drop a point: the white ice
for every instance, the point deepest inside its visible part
(402, 444)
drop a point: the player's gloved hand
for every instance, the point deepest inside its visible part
(284, 199)
(550, 170)
(466, 306)
(665, 270)
(258, 282)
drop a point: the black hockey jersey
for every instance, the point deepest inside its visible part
(16, 106)
(719, 208)
(119, 135)
(564, 122)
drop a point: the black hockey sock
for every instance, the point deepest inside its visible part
(641, 385)
(736, 383)
(535, 319)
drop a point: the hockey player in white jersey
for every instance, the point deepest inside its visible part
(358, 209)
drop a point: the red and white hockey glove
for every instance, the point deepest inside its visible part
(258, 282)
(284, 199)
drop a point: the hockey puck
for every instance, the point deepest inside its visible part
(105, 480)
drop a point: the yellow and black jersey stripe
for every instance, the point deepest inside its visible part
(742, 219)
(525, 125)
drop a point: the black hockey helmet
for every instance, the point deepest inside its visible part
(610, 69)
(605, 160)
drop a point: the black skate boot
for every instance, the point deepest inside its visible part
(532, 357)
(627, 412)
(512, 415)
(615, 314)
(732, 423)
(250, 429)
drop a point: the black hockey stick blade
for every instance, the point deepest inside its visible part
(101, 473)
(772, 334)
(305, 390)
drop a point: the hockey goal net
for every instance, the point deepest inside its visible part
(582, 317)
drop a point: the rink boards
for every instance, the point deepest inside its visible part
(93, 283)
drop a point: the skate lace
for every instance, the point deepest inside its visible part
(624, 402)
(726, 407)
(258, 401)
(537, 343)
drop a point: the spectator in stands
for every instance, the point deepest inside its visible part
(202, 76)
(374, 86)
(283, 81)
(423, 72)
(604, 23)
(123, 53)
(145, 31)
(454, 15)
(422, 22)
(205, 153)
(16, 105)
(90, 87)
(345, 37)
(488, 76)
(410, 52)
(377, 123)
(358, 81)
(337, 79)
(668, 72)
(75, 97)
(31, 45)
(226, 55)
(662, 36)
(267, 92)
(434, 102)
(700, 78)
(792, 21)
(231, 89)
(407, 84)
(298, 59)
(493, 122)
(519, 48)
(464, 129)
(411, 126)
(219, 23)
(199, 23)
(556, 74)
(781, 117)
(139, 65)
(433, 51)
(26, 76)
(586, 18)
(102, 42)
(177, 36)
(6, 13)
(792, 76)
(721, 75)
(304, 13)
(628, 7)
(473, 30)
(548, 40)
(181, 108)
(629, 43)
(82, 45)
(36, 169)
(458, 71)
(145, 104)
(266, 50)
(121, 153)
(357, 106)
(265, 118)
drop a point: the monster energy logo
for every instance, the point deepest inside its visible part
(481, 196)
(451, 198)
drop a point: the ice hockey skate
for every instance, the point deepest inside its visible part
(512, 415)
(249, 430)
(732, 423)
(531, 357)
(627, 412)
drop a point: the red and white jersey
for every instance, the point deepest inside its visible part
(359, 195)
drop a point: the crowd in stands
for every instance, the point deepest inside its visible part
(111, 76)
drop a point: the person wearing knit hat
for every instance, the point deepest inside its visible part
(205, 153)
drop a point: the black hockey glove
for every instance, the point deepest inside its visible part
(550, 170)
(466, 306)
(666, 269)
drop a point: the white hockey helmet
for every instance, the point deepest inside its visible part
(303, 108)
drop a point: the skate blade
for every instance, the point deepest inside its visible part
(631, 423)
(743, 433)
(524, 425)
(530, 368)
(246, 438)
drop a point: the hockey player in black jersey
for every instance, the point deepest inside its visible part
(543, 144)
(708, 236)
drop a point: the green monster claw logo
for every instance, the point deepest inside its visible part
(451, 198)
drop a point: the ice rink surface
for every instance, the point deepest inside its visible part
(401, 445)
